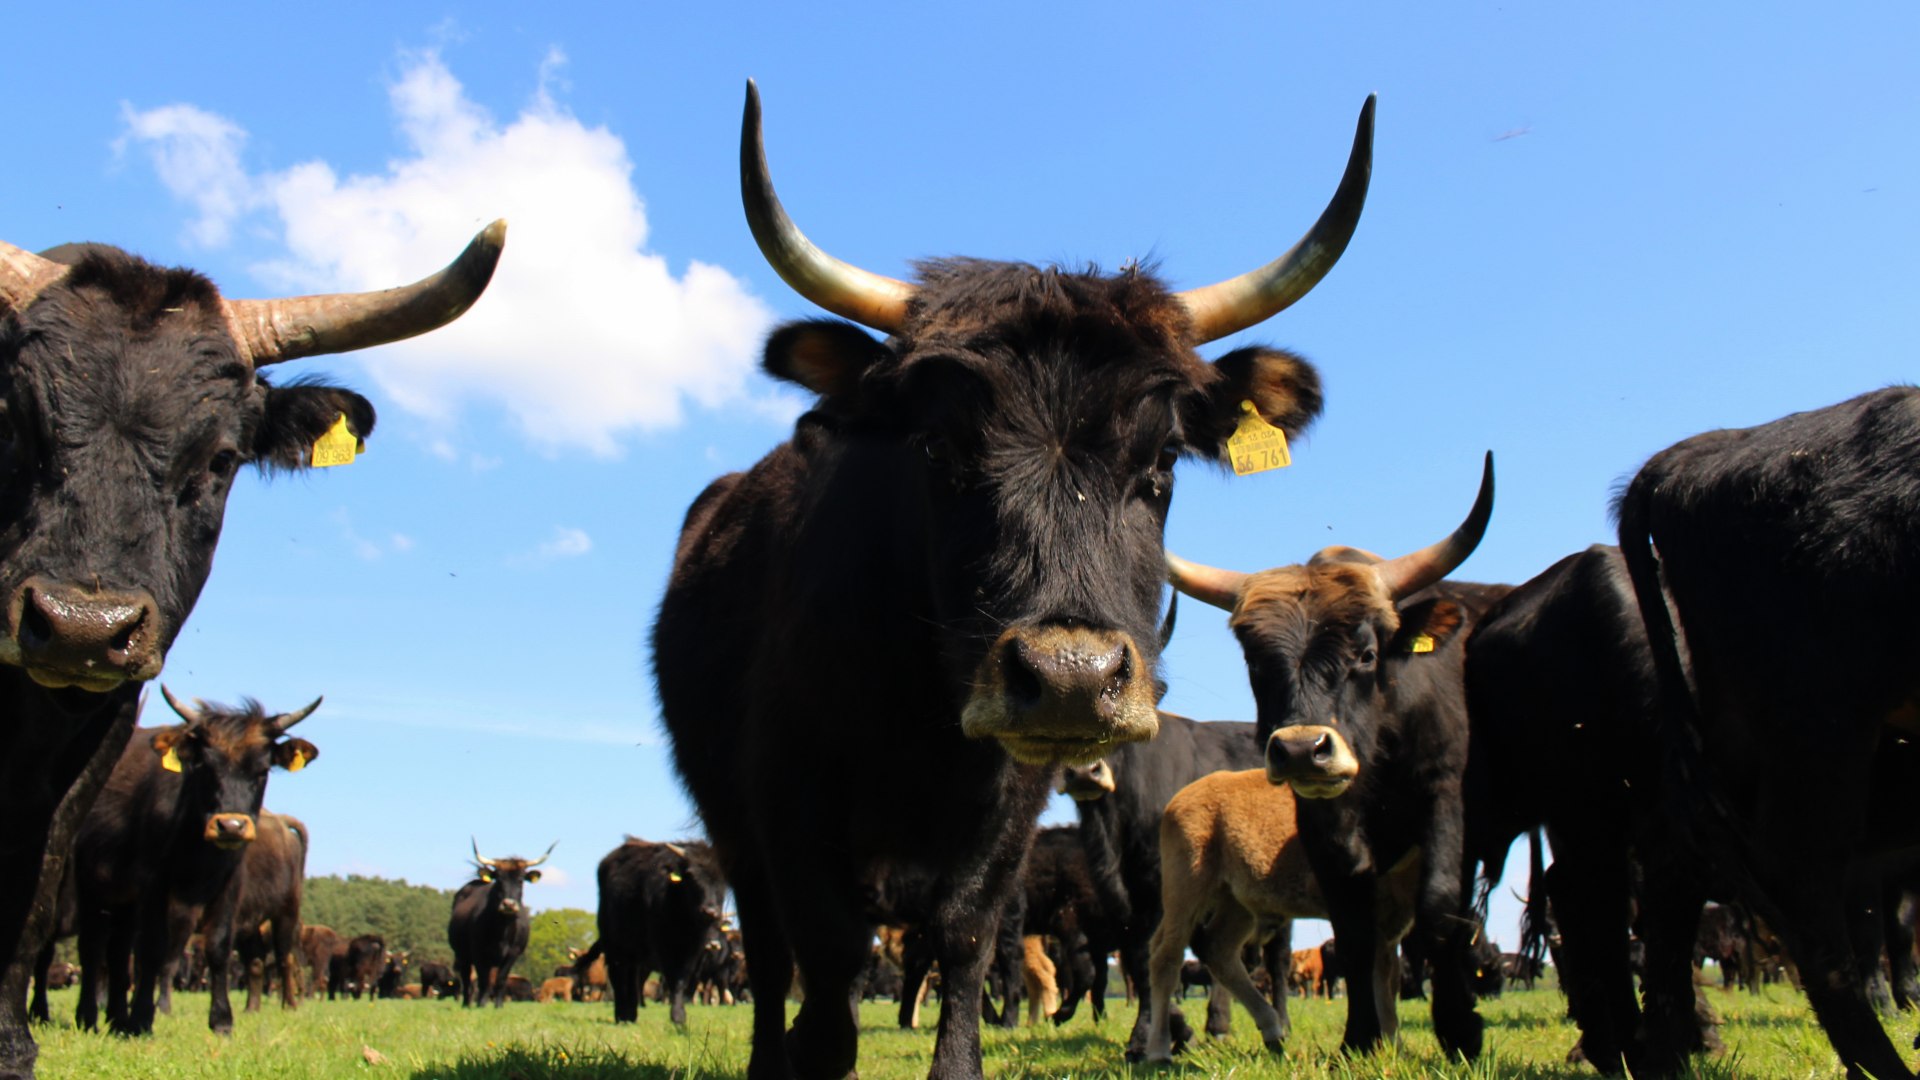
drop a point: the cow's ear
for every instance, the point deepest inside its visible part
(1426, 626)
(294, 754)
(533, 876)
(298, 414)
(168, 742)
(1283, 387)
(486, 877)
(826, 356)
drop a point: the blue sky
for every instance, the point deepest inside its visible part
(1591, 232)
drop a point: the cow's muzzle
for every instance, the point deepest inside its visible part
(509, 906)
(1087, 783)
(1316, 760)
(1057, 692)
(94, 639)
(229, 831)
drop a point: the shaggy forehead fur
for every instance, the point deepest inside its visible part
(236, 732)
(1332, 594)
(973, 302)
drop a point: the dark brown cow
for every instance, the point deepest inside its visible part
(130, 395)
(660, 908)
(1357, 670)
(267, 919)
(366, 957)
(158, 853)
(489, 926)
(955, 560)
(317, 944)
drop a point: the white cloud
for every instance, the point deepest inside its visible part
(584, 333)
(566, 543)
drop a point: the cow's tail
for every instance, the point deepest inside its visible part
(1536, 922)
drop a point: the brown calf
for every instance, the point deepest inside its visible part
(1043, 992)
(1231, 859)
(1309, 977)
(558, 988)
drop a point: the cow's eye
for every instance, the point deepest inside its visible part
(1169, 454)
(223, 463)
(938, 450)
(1366, 659)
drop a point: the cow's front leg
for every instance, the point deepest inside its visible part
(1449, 928)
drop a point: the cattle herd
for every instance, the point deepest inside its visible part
(949, 582)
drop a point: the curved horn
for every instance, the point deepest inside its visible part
(1409, 574)
(187, 712)
(480, 859)
(676, 849)
(543, 858)
(867, 298)
(287, 720)
(1230, 306)
(297, 326)
(1221, 588)
(23, 274)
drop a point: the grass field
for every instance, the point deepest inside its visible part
(1770, 1035)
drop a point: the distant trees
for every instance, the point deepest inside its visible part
(410, 917)
(551, 935)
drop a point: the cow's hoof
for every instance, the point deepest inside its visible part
(1278, 1047)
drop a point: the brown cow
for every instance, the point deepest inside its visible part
(1309, 976)
(589, 973)
(1231, 859)
(558, 988)
(267, 919)
(317, 944)
(1036, 967)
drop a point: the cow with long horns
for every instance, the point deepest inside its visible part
(160, 853)
(1356, 666)
(489, 926)
(130, 395)
(955, 562)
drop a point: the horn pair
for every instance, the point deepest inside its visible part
(493, 864)
(272, 331)
(881, 302)
(195, 714)
(1401, 577)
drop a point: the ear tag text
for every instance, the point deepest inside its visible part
(170, 760)
(1256, 445)
(337, 447)
(1421, 643)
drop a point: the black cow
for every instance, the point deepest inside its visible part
(1561, 690)
(360, 967)
(660, 909)
(437, 980)
(160, 853)
(954, 563)
(129, 396)
(1062, 903)
(489, 925)
(1356, 668)
(1776, 568)
(393, 975)
(266, 921)
(1120, 799)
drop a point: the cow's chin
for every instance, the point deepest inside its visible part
(1320, 789)
(1042, 751)
(66, 680)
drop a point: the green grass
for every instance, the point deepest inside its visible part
(1769, 1035)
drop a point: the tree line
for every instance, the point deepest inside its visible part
(414, 918)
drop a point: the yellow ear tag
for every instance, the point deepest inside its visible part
(299, 762)
(1256, 445)
(1421, 643)
(170, 760)
(337, 447)
(673, 877)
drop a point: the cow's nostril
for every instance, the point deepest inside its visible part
(33, 622)
(1023, 683)
(1323, 749)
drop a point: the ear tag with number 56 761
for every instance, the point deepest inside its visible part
(1256, 445)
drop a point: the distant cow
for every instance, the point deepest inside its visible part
(589, 973)
(1063, 904)
(136, 393)
(1043, 991)
(316, 945)
(1356, 669)
(489, 925)
(366, 959)
(1308, 977)
(660, 906)
(557, 988)
(267, 922)
(952, 566)
(393, 975)
(1775, 568)
(1120, 799)
(159, 853)
(437, 980)
(1233, 860)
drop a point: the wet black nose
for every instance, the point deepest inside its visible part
(102, 634)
